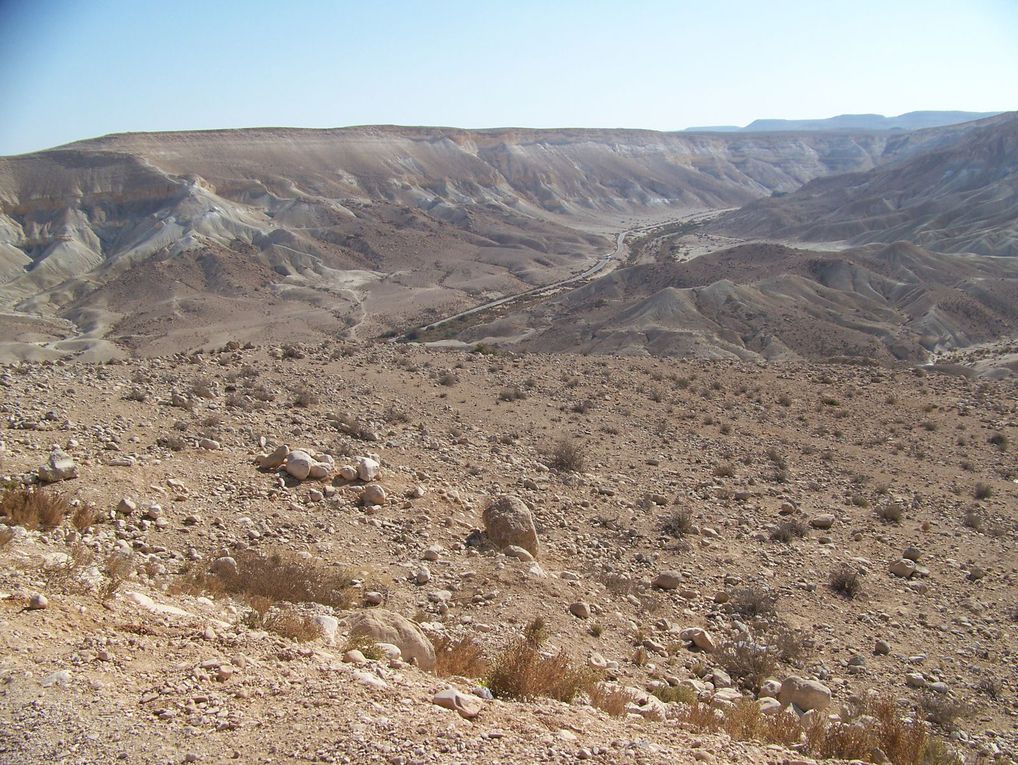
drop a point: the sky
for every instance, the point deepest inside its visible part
(75, 69)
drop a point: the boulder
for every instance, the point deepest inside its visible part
(823, 522)
(298, 464)
(903, 567)
(580, 610)
(59, 467)
(368, 469)
(804, 694)
(274, 460)
(508, 521)
(385, 626)
(668, 580)
(464, 704)
(699, 637)
(373, 494)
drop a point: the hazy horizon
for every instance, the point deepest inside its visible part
(72, 71)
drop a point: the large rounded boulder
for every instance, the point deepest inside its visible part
(508, 521)
(384, 626)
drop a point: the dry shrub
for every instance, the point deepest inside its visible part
(753, 602)
(84, 517)
(33, 508)
(890, 512)
(943, 710)
(462, 657)
(277, 576)
(566, 455)
(67, 576)
(292, 625)
(786, 531)
(845, 580)
(305, 397)
(678, 694)
(522, 672)
(747, 723)
(611, 699)
(747, 660)
(678, 523)
(366, 645)
(117, 569)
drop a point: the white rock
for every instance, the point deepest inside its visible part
(59, 467)
(805, 694)
(373, 494)
(298, 464)
(368, 469)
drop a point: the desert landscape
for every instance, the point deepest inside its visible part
(407, 445)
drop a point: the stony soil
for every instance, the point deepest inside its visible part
(162, 672)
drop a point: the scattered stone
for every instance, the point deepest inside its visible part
(368, 469)
(224, 566)
(903, 567)
(700, 638)
(822, 522)
(514, 551)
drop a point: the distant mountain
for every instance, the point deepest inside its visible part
(950, 192)
(908, 121)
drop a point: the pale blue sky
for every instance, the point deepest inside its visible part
(72, 69)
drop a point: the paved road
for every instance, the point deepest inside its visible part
(610, 258)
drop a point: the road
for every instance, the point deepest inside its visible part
(608, 259)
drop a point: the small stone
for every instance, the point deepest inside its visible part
(38, 602)
(353, 656)
(903, 567)
(59, 467)
(515, 551)
(224, 566)
(881, 648)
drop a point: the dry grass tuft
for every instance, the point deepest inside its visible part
(292, 625)
(462, 657)
(274, 577)
(84, 517)
(117, 569)
(521, 671)
(611, 699)
(566, 455)
(845, 581)
(33, 508)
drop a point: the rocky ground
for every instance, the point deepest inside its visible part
(703, 531)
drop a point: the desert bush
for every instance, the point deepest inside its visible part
(278, 576)
(521, 671)
(366, 645)
(678, 523)
(172, 442)
(973, 519)
(611, 699)
(982, 491)
(203, 387)
(890, 512)
(136, 394)
(999, 440)
(753, 602)
(566, 455)
(724, 470)
(448, 378)
(84, 516)
(679, 694)
(747, 660)
(511, 394)
(33, 508)
(304, 397)
(786, 531)
(582, 407)
(463, 657)
(746, 722)
(292, 625)
(989, 686)
(942, 709)
(117, 569)
(845, 581)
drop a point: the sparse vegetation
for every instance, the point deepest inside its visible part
(33, 508)
(845, 580)
(678, 523)
(567, 455)
(522, 671)
(463, 657)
